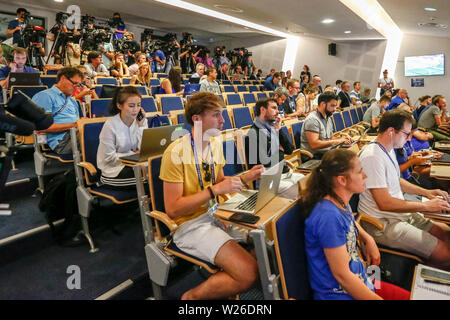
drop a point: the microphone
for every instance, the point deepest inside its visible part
(16, 125)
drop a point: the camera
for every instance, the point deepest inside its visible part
(61, 17)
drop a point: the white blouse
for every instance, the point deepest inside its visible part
(117, 140)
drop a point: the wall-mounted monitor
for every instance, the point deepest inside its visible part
(429, 65)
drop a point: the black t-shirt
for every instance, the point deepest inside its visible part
(346, 101)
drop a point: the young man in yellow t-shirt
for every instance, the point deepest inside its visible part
(192, 171)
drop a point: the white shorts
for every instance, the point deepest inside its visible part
(411, 235)
(203, 236)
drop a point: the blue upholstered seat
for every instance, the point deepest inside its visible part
(242, 117)
(338, 122)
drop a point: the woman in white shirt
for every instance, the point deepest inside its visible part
(121, 136)
(305, 100)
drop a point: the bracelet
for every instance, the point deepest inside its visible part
(211, 193)
(244, 183)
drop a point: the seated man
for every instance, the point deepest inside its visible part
(272, 83)
(58, 100)
(17, 65)
(404, 227)
(290, 107)
(372, 115)
(434, 117)
(238, 74)
(401, 97)
(280, 96)
(222, 74)
(192, 173)
(355, 95)
(159, 62)
(95, 67)
(267, 145)
(134, 68)
(199, 71)
(210, 84)
(317, 129)
(344, 99)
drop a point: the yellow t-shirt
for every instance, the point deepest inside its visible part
(178, 165)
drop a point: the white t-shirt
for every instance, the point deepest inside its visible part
(381, 173)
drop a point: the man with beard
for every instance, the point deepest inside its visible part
(317, 129)
(266, 144)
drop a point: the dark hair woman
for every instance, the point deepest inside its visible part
(331, 233)
(121, 136)
(172, 84)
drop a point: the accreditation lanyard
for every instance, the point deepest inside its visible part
(200, 180)
(385, 151)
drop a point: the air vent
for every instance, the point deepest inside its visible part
(432, 25)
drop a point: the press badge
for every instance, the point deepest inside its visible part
(212, 205)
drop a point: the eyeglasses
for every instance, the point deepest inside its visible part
(206, 168)
(408, 134)
(78, 85)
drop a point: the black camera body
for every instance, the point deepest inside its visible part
(61, 17)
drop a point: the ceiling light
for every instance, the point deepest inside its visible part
(348, 31)
(430, 9)
(326, 21)
(228, 8)
(59, 0)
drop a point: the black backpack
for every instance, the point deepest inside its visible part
(59, 201)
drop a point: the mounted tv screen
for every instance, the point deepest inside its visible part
(429, 65)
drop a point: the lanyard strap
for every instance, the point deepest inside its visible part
(200, 180)
(385, 151)
(62, 108)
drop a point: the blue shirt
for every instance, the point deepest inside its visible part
(269, 85)
(64, 110)
(4, 72)
(330, 227)
(156, 67)
(395, 103)
(17, 37)
(419, 144)
(118, 35)
(402, 156)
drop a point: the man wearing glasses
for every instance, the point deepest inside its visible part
(58, 100)
(192, 172)
(404, 227)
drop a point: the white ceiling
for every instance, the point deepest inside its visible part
(299, 17)
(408, 13)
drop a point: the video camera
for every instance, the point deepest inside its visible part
(61, 17)
(28, 116)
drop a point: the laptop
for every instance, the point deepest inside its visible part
(309, 165)
(23, 79)
(444, 160)
(194, 80)
(251, 201)
(154, 142)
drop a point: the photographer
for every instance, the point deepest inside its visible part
(16, 27)
(172, 51)
(242, 60)
(129, 48)
(119, 26)
(159, 62)
(73, 54)
(187, 57)
(17, 65)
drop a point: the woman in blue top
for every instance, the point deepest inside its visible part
(172, 84)
(331, 233)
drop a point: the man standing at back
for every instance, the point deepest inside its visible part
(385, 83)
(16, 27)
(192, 173)
(405, 227)
(59, 102)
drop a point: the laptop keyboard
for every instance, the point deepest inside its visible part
(248, 204)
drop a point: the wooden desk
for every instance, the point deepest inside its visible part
(275, 206)
(444, 145)
(441, 172)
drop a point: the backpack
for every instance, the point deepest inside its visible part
(59, 201)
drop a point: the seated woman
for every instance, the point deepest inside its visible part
(143, 76)
(118, 66)
(331, 233)
(121, 136)
(172, 84)
(305, 101)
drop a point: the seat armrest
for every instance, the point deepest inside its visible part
(164, 218)
(373, 221)
(89, 167)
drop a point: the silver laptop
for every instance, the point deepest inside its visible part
(251, 201)
(154, 142)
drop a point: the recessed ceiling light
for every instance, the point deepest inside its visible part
(327, 20)
(59, 0)
(430, 9)
(348, 31)
(269, 22)
(228, 8)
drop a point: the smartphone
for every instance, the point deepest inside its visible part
(434, 275)
(140, 115)
(244, 218)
